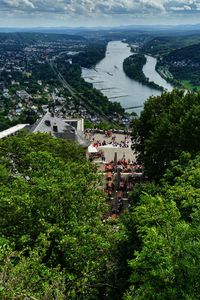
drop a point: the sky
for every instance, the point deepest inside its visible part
(75, 13)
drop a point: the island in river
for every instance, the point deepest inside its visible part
(108, 77)
(133, 68)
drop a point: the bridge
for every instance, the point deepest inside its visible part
(133, 107)
(105, 89)
(116, 97)
(89, 77)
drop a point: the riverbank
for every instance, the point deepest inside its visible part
(182, 84)
(166, 75)
(133, 68)
(109, 78)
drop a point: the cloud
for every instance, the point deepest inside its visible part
(181, 8)
(182, 5)
(112, 6)
(17, 4)
(92, 8)
(85, 6)
(154, 4)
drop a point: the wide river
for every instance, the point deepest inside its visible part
(109, 77)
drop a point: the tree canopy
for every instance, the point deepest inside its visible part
(53, 243)
(164, 225)
(168, 125)
(133, 68)
(57, 241)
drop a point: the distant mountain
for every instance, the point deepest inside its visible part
(71, 30)
(187, 27)
(38, 36)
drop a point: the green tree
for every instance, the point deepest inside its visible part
(168, 125)
(166, 227)
(51, 213)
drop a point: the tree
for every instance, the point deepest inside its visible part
(51, 215)
(166, 226)
(168, 125)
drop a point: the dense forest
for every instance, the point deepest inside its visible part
(133, 67)
(163, 45)
(91, 55)
(167, 126)
(56, 240)
(26, 38)
(184, 64)
(53, 242)
(178, 58)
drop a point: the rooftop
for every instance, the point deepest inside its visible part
(12, 130)
(59, 128)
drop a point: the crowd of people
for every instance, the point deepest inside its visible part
(127, 166)
(108, 133)
(118, 186)
(113, 142)
(121, 174)
(109, 138)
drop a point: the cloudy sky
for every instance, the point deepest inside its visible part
(28, 13)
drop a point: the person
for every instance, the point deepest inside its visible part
(103, 157)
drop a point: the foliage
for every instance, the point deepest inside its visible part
(92, 54)
(165, 232)
(133, 67)
(184, 64)
(168, 125)
(163, 45)
(55, 245)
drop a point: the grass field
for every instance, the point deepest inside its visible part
(187, 85)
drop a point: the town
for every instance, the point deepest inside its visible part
(39, 72)
(99, 200)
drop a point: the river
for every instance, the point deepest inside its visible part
(109, 77)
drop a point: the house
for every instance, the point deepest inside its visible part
(72, 129)
(23, 95)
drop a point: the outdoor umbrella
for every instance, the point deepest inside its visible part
(92, 149)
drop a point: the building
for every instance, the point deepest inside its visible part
(13, 130)
(23, 95)
(69, 129)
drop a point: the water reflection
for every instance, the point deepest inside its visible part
(108, 76)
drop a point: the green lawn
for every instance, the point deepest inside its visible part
(188, 85)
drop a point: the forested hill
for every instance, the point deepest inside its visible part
(184, 65)
(163, 45)
(178, 58)
(91, 55)
(30, 37)
(187, 55)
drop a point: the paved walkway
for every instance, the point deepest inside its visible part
(109, 150)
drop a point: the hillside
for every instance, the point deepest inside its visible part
(186, 55)
(30, 37)
(184, 65)
(163, 45)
